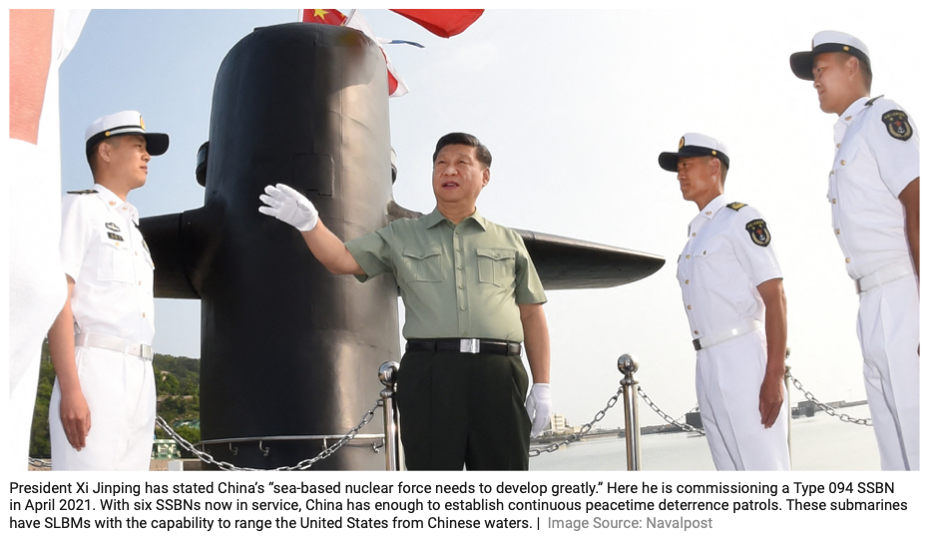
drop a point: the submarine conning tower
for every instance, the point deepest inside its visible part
(289, 351)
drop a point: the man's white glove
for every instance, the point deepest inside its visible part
(538, 406)
(286, 204)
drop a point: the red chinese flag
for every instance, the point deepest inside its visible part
(323, 16)
(442, 22)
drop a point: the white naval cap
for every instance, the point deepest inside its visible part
(693, 145)
(828, 41)
(125, 123)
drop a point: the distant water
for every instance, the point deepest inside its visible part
(820, 443)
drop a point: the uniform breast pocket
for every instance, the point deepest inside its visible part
(422, 266)
(715, 265)
(849, 156)
(116, 260)
(496, 266)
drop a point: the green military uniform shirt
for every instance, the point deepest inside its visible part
(456, 281)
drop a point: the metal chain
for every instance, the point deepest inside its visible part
(40, 463)
(302, 465)
(534, 452)
(669, 419)
(585, 428)
(829, 410)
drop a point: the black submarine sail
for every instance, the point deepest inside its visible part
(290, 352)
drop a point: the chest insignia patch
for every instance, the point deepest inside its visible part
(736, 206)
(759, 233)
(83, 192)
(111, 226)
(897, 124)
(115, 236)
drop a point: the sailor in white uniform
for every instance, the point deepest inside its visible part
(103, 405)
(874, 194)
(733, 295)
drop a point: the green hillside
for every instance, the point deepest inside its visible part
(176, 397)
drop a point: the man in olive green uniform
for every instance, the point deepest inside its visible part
(472, 296)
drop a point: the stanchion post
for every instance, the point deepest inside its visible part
(387, 375)
(628, 365)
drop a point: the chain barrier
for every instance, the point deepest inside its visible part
(40, 463)
(669, 419)
(829, 410)
(302, 465)
(799, 386)
(534, 452)
(585, 428)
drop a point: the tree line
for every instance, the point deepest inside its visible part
(176, 399)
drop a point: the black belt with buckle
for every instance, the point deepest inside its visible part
(697, 344)
(468, 345)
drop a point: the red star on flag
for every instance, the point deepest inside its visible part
(325, 16)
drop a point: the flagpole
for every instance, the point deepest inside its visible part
(348, 18)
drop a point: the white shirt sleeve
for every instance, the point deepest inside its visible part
(895, 143)
(749, 230)
(77, 231)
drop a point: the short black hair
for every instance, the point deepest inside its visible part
(865, 70)
(724, 172)
(481, 152)
(91, 151)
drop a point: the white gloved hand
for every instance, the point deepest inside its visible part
(286, 204)
(538, 406)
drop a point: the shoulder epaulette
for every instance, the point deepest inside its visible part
(82, 192)
(736, 206)
(872, 100)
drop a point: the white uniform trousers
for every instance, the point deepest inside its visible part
(889, 331)
(728, 382)
(121, 393)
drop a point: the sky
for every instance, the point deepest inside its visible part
(575, 107)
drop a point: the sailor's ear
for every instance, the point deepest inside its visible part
(851, 65)
(104, 151)
(714, 168)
